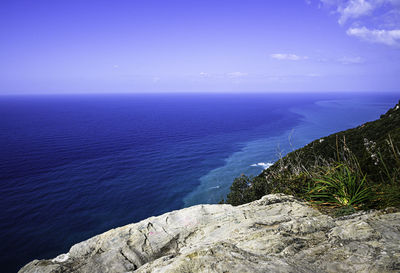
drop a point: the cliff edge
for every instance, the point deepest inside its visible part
(277, 233)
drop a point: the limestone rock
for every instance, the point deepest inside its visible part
(274, 234)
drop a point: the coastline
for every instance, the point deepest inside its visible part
(323, 118)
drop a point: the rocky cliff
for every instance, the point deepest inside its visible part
(277, 233)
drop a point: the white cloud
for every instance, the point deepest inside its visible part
(236, 74)
(382, 16)
(351, 60)
(313, 75)
(204, 74)
(290, 57)
(382, 36)
(355, 9)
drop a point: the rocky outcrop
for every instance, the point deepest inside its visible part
(274, 234)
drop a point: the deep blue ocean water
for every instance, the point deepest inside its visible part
(73, 166)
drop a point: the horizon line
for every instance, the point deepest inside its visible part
(196, 92)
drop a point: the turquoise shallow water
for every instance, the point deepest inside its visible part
(72, 167)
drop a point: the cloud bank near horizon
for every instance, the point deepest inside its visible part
(290, 57)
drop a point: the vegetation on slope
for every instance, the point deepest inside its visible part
(353, 169)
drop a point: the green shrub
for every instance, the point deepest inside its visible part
(341, 186)
(245, 189)
(239, 193)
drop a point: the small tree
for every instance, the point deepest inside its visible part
(239, 191)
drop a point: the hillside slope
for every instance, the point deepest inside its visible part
(373, 147)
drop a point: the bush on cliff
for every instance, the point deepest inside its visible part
(340, 186)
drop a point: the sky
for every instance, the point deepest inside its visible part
(145, 46)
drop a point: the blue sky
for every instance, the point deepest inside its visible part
(199, 46)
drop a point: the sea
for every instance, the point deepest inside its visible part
(74, 166)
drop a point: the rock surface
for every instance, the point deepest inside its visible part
(274, 234)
